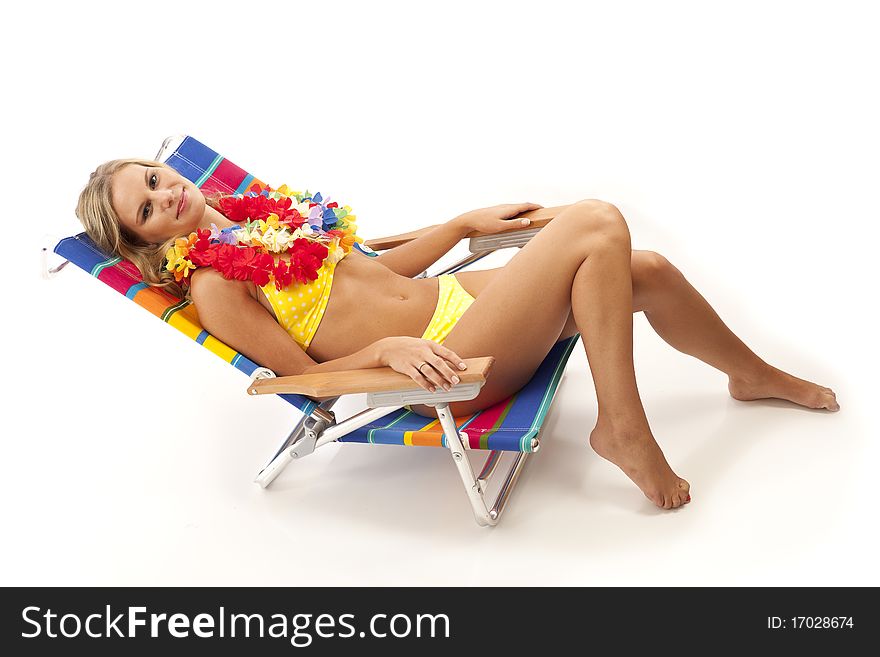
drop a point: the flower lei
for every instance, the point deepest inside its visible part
(312, 231)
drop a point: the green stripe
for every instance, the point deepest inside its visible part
(173, 309)
(211, 168)
(101, 266)
(387, 426)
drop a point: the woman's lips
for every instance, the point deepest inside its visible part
(181, 206)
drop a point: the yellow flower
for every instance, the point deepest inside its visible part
(177, 262)
(187, 268)
(183, 245)
(272, 220)
(335, 252)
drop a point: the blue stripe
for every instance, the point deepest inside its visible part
(201, 337)
(134, 289)
(370, 253)
(248, 179)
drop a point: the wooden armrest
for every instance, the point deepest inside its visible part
(539, 218)
(347, 382)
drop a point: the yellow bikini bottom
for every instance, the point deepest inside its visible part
(452, 302)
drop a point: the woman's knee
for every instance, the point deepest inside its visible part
(598, 219)
(650, 267)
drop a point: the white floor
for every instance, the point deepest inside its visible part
(742, 145)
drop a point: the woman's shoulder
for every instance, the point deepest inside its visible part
(207, 283)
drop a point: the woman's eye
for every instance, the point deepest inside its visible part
(147, 208)
(153, 184)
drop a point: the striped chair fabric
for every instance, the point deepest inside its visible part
(508, 425)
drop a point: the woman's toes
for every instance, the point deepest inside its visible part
(684, 494)
(829, 401)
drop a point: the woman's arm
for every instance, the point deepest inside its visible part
(414, 257)
(228, 311)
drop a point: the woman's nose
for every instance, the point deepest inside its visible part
(164, 198)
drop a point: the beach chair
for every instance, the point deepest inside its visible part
(509, 428)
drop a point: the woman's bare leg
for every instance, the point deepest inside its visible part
(601, 302)
(580, 262)
(686, 321)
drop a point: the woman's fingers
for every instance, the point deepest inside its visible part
(421, 379)
(442, 366)
(445, 370)
(436, 375)
(432, 376)
(438, 368)
(452, 357)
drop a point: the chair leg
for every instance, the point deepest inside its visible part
(286, 453)
(473, 486)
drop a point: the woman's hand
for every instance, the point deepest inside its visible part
(497, 218)
(405, 354)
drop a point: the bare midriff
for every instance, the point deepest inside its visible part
(369, 302)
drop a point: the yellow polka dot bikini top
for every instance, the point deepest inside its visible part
(299, 308)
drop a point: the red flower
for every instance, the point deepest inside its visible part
(203, 241)
(204, 254)
(292, 218)
(263, 265)
(224, 260)
(239, 209)
(232, 208)
(243, 262)
(285, 213)
(256, 189)
(306, 258)
(261, 207)
(282, 273)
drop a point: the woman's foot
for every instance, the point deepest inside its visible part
(771, 382)
(639, 456)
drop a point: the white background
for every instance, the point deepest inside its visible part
(740, 141)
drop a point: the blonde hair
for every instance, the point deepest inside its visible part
(95, 211)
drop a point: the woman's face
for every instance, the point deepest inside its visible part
(156, 203)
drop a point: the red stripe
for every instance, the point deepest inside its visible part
(120, 276)
(230, 174)
(485, 422)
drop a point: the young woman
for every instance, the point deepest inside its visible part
(578, 274)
